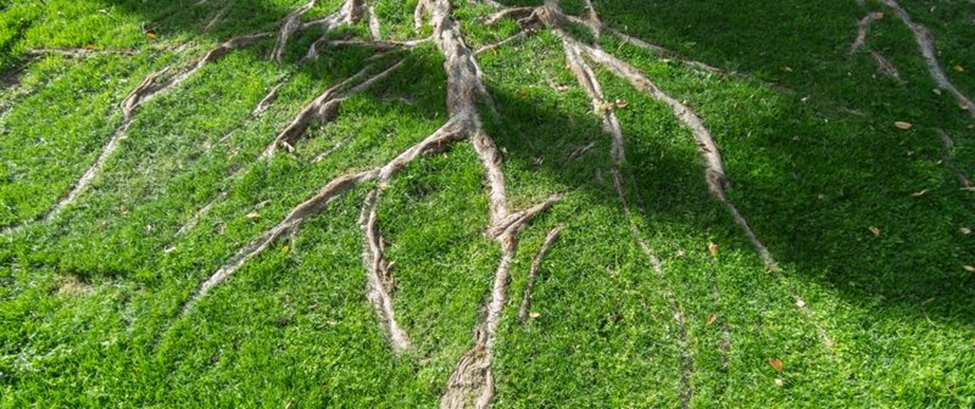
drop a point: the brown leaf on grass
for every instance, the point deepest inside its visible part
(713, 249)
(903, 125)
(875, 231)
(776, 364)
(622, 104)
(712, 318)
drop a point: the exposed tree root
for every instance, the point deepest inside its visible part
(883, 64)
(422, 8)
(77, 52)
(472, 381)
(150, 87)
(587, 79)
(200, 213)
(578, 152)
(291, 24)
(533, 272)
(374, 26)
(381, 282)
(491, 47)
(350, 13)
(863, 28)
(552, 17)
(594, 23)
(714, 169)
(948, 144)
(714, 166)
(297, 216)
(509, 12)
(324, 108)
(266, 102)
(925, 42)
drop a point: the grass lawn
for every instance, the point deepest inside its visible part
(851, 165)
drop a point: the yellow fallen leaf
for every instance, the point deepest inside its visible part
(959, 68)
(713, 249)
(712, 318)
(90, 47)
(875, 231)
(286, 249)
(780, 383)
(776, 364)
(903, 125)
(534, 314)
(150, 36)
(969, 269)
(253, 215)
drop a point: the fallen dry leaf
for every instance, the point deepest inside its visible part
(712, 318)
(253, 215)
(875, 231)
(776, 364)
(903, 125)
(150, 36)
(286, 249)
(534, 314)
(969, 269)
(800, 303)
(713, 249)
(780, 383)
(965, 230)
(622, 104)
(919, 194)
(959, 68)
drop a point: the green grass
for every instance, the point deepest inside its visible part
(90, 301)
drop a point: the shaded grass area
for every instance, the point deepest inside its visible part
(89, 303)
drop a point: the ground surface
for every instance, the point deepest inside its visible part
(103, 301)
